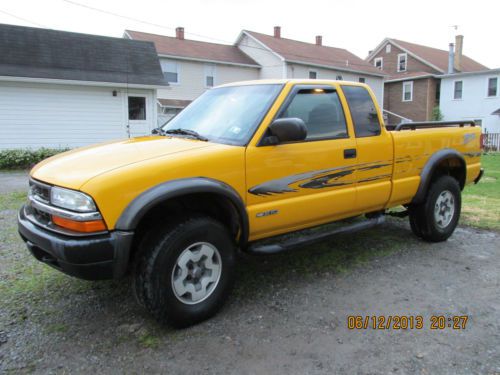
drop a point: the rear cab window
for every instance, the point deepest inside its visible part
(363, 111)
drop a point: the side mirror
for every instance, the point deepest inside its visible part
(290, 129)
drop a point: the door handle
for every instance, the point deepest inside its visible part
(349, 153)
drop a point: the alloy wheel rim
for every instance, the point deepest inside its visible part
(444, 209)
(196, 273)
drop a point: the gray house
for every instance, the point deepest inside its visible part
(61, 89)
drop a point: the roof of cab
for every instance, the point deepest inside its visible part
(291, 80)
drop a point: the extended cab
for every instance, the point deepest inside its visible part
(243, 163)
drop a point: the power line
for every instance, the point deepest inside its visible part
(135, 19)
(343, 63)
(22, 19)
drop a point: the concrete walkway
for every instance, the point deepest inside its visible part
(13, 181)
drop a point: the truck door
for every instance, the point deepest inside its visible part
(299, 184)
(374, 149)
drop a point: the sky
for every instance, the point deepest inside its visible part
(356, 25)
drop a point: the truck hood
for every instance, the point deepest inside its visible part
(74, 168)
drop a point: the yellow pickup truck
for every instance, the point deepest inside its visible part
(242, 165)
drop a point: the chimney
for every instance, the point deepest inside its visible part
(319, 40)
(277, 31)
(459, 43)
(451, 58)
(179, 33)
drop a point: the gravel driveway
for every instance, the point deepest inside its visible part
(13, 181)
(288, 313)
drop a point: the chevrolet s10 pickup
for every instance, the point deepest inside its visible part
(241, 166)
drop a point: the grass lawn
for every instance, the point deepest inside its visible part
(481, 202)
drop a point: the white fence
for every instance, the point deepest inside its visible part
(491, 141)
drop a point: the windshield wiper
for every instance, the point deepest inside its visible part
(189, 132)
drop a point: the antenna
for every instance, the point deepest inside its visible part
(126, 90)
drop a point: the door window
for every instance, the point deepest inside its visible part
(321, 111)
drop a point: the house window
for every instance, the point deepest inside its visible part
(338, 78)
(388, 48)
(458, 89)
(362, 80)
(210, 75)
(402, 62)
(379, 62)
(313, 74)
(171, 71)
(407, 91)
(492, 86)
(136, 108)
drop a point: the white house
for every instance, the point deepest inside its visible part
(60, 89)
(191, 67)
(286, 58)
(472, 96)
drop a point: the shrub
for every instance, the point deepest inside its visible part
(437, 115)
(25, 158)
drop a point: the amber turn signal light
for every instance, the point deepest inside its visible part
(80, 226)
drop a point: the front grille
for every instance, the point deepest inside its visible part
(37, 216)
(39, 191)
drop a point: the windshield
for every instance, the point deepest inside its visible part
(226, 114)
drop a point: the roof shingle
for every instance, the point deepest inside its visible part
(308, 53)
(52, 54)
(187, 48)
(438, 57)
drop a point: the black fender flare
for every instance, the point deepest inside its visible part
(430, 167)
(135, 211)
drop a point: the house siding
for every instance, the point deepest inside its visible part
(302, 71)
(474, 105)
(424, 89)
(419, 109)
(390, 62)
(34, 115)
(192, 79)
(272, 67)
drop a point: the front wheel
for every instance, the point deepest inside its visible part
(187, 272)
(435, 219)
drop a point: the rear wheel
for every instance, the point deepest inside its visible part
(187, 272)
(437, 217)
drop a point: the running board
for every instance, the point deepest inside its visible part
(305, 240)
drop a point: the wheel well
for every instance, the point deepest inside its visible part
(453, 167)
(210, 204)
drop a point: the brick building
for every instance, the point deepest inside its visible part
(411, 90)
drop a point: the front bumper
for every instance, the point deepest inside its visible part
(98, 257)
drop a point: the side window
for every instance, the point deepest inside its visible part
(321, 111)
(363, 111)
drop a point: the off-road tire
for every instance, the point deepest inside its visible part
(159, 252)
(423, 220)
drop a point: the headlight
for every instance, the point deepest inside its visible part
(72, 200)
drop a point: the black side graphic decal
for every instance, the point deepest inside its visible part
(315, 179)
